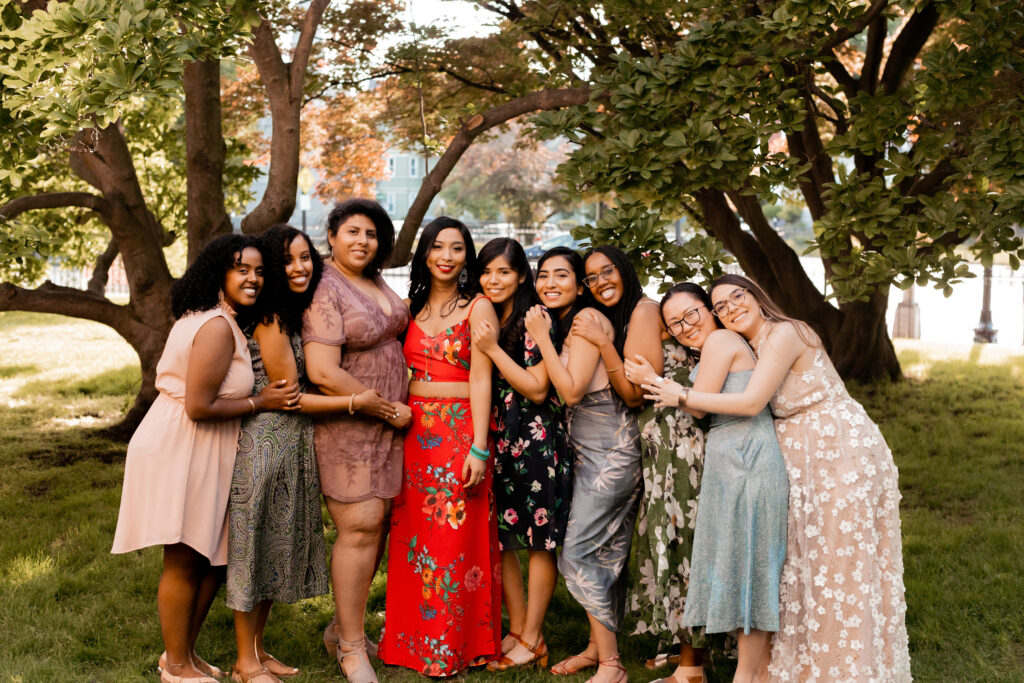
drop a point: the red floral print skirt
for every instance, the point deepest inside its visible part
(444, 568)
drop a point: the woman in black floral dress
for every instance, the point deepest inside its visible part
(533, 467)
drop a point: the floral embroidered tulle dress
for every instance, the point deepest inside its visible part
(533, 463)
(444, 569)
(843, 612)
(673, 460)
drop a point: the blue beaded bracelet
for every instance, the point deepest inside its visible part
(479, 453)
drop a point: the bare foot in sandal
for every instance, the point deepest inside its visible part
(576, 663)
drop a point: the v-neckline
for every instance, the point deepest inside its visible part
(391, 306)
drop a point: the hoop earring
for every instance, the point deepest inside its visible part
(463, 278)
(760, 309)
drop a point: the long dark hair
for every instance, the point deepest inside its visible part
(632, 292)
(419, 276)
(514, 328)
(584, 300)
(199, 288)
(694, 290)
(381, 222)
(278, 301)
(770, 310)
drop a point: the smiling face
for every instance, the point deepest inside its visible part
(556, 284)
(499, 280)
(244, 280)
(354, 244)
(688, 319)
(737, 309)
(603, 279)
(298, 265)
(446, 257)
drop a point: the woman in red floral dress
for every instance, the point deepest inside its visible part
(443, 607)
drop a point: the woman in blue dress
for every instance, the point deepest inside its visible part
(739, 544)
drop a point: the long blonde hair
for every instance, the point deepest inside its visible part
(770, 311)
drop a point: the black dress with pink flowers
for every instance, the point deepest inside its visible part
(533, 463)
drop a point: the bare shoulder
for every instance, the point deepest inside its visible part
(482, 309)
(786, 332)
(725, 340)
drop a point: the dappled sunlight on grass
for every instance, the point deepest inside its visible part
(24, 569)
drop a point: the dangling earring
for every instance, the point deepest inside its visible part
(463, 278)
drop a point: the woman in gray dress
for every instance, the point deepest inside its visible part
(606, 472)
(275, 531)
(739, 543)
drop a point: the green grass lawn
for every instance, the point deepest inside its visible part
(70, 611)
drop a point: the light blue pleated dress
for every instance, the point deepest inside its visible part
(739, 543)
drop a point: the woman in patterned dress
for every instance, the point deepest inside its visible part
(636, 329)
(177, 476)
(606, 472)
(842, 597)
(276, 549)
(673, 462)
(739, 543)
(350, 338)
(533, 466)
(443, 609)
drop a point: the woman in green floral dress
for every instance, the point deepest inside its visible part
(673, 460)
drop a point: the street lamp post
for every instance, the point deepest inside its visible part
(984, 333)
(306, 180)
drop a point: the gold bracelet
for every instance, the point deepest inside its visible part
(615, 370)
(252, 405)
(681, 402)
(351, 402)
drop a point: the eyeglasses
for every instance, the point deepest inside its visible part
(735, 299)
(604, 274)
(690, 317)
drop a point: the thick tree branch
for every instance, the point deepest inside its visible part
(51, 298)
(873, 55)
(857, 26)
(304, 46)
(283, 85)
(930, 183)
(847, 82)
(907, 46)
(540, 100)
(56, 200)
(205, 153)
(101, 271)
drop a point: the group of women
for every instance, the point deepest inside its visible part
(496, 411)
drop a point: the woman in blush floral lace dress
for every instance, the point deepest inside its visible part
(533, 464)
(843, 611)
(443, 609)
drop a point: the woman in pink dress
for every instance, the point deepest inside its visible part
(843, 611)
(180, 460)
(350, 338)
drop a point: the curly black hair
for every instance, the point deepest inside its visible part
(419, 276)
(526, 294)
(381, 221)
(277, 301)
(632, 292)
(199, 288)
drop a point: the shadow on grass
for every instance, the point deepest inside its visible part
(116, 382)
(9, 371)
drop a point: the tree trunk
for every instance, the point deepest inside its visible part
(205, 152)
(861, 348)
